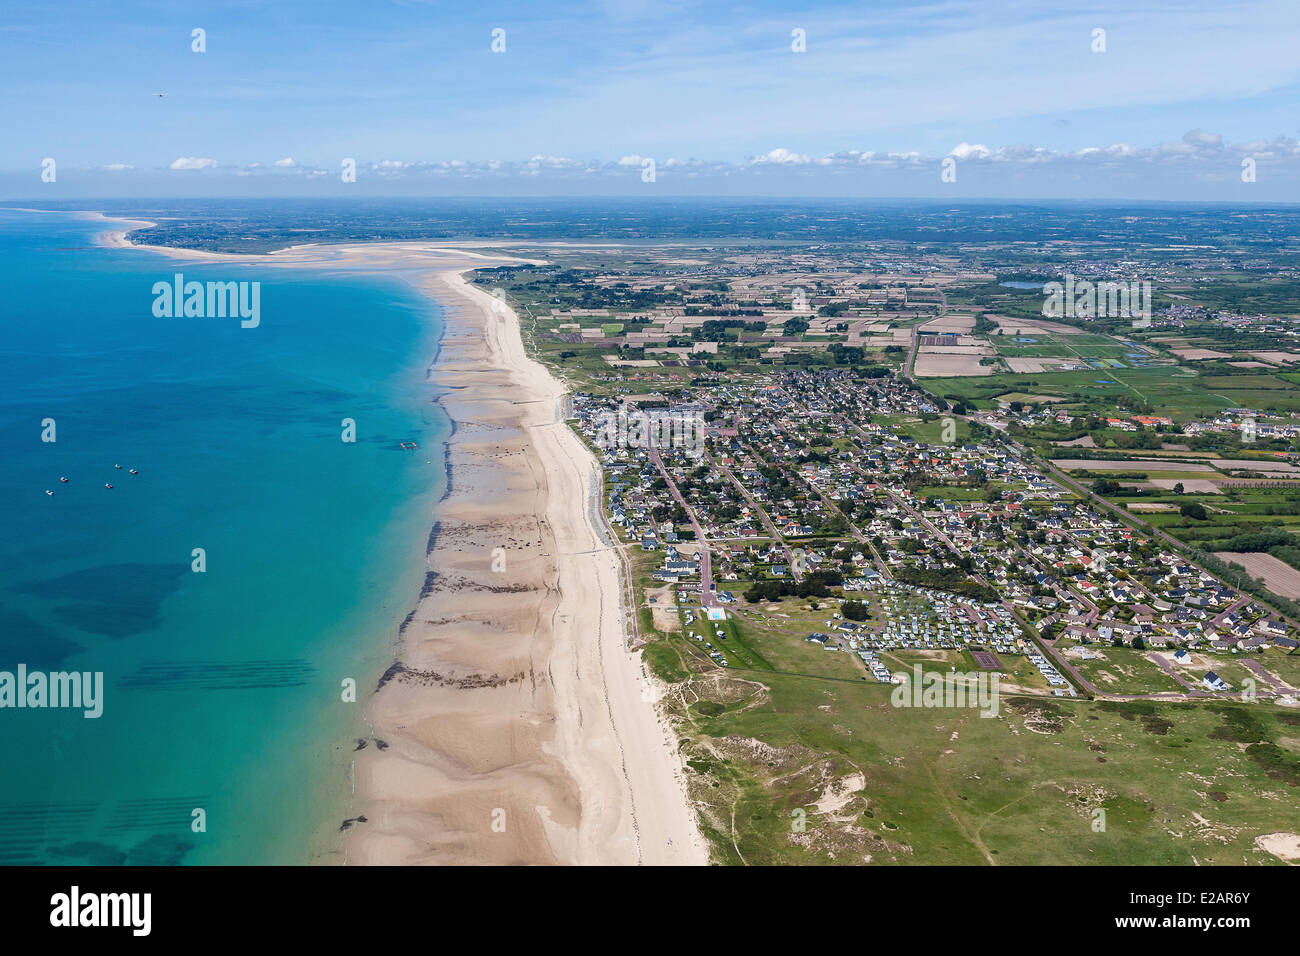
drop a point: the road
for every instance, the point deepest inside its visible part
(916, 338)
(767, 522)
(1134, 522)
(708, 597)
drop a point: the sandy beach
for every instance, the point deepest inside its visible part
(515, 727)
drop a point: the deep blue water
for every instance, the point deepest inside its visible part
(223, 688)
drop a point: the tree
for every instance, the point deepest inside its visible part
(854, 610)
(1193, 509)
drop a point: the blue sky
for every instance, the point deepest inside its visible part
(1011, 90)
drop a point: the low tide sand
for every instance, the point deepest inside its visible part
(518, 727)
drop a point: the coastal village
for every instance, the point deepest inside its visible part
(790, 454)
(959, 546)
(845, 484)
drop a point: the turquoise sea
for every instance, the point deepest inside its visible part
(223, 689)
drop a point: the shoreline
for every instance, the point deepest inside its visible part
(516, 728)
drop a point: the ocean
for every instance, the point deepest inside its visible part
(225, 737)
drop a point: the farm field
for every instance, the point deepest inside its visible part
(1279, 577)
(1175, 391)
(938, 362)
(1133, 465)
(1079, 346)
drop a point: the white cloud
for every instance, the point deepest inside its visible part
(118, 167)
(1203, 156)
(193, 162)
(563, 162)
(1199, 137)
(783, 157)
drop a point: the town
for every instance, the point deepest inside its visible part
(811, 483)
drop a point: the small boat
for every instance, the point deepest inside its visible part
(64, 480)
(118, 467)
(107, 485)
(134, 472)
(48, 492)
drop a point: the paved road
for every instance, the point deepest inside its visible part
(1258, 669)
(1163, 663)
(708, 597)
(916, 338)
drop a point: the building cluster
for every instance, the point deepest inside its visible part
(853, 485)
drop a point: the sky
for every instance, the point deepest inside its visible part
(1012, 98)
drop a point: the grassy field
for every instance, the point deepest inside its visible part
(1284, 666)
(780, 637)
(881, 784)
(806, 762)
(1079, 346)
(956, 493)
(1176, 391)
(931, 432)
(1123, 670)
